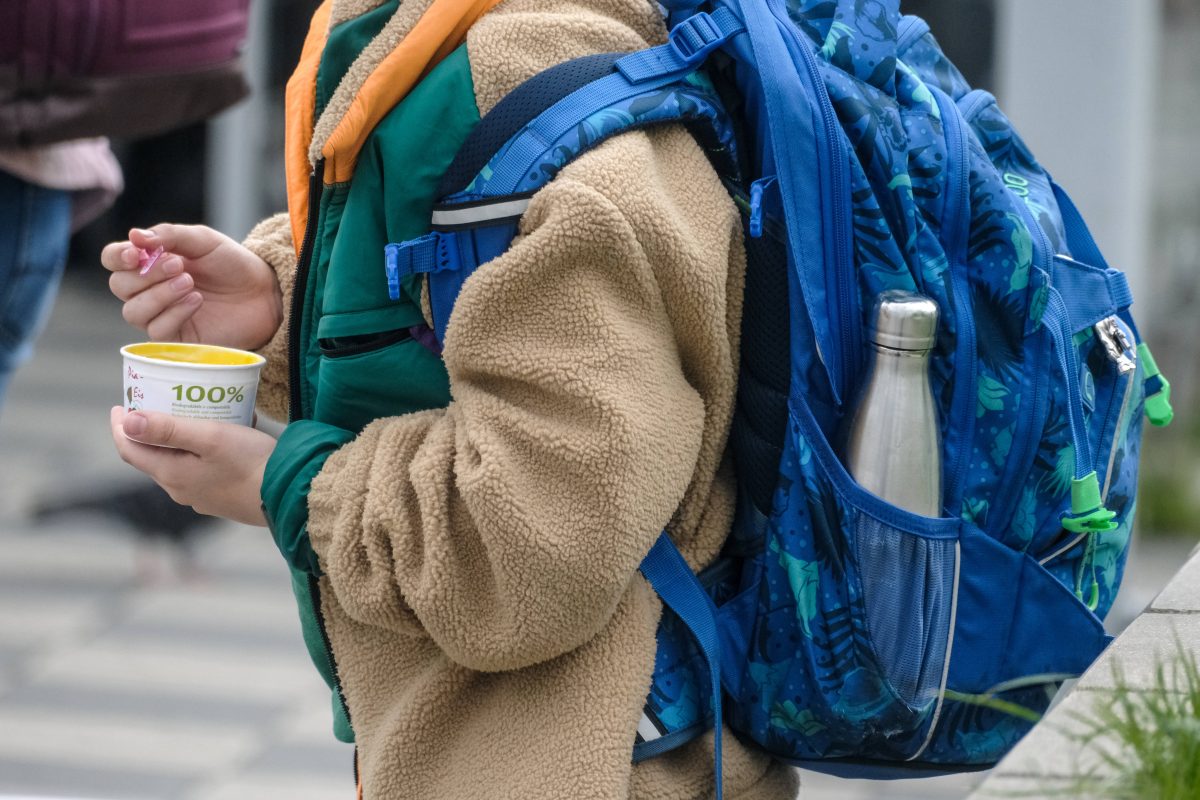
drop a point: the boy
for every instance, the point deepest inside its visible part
(464, 530)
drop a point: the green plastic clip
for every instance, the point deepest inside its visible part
(1088, 514)
(1158, 403)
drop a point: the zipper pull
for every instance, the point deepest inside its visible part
(391, 266)
(1116, 344)
(1158, 390)
(1088, 514)
(756, 200)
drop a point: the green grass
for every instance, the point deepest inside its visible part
(1147, 740)
(1168, 505)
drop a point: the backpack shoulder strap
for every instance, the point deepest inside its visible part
(516, 111)
(522, 144)
(681, 591)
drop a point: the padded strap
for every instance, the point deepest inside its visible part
(794, 105)
(518, 108)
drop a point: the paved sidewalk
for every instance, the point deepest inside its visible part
(111, 687)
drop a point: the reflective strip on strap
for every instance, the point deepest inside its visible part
(471, 214)
(647, 729)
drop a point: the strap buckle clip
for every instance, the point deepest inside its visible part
(695, 37)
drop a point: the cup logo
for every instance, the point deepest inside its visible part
(193, 388)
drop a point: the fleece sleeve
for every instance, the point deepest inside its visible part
(508, 526)
(271, 240)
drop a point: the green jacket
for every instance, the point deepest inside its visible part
(352, 352)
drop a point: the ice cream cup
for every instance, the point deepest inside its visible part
(199, 381)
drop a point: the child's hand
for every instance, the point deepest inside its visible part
(204, 288)
(216, 468)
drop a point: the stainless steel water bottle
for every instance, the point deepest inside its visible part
(894, 445)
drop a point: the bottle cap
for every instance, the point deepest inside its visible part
(904, 321)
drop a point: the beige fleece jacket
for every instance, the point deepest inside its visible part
(491, 631)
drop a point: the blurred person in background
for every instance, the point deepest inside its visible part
(71, 72)
(46, 193)
(71, 75)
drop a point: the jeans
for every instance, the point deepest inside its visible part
(35, 228)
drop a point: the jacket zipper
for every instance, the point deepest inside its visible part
(314, 589)
(295, 409)
(299, 289)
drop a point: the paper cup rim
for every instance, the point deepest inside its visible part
(257, 364)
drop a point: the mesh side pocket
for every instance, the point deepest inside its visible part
(908, 592)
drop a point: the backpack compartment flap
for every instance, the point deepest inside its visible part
(1015, 620)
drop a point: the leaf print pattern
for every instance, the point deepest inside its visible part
(803, 581)
(991, 395)
(787, 715)
(1022, 244)
(1025, 520)
(693, 99)
(1058, 483)
(1001, 446)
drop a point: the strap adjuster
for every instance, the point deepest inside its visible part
(688, 44)
(695, 37)
(432, 253)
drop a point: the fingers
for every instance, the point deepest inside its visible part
(161, 309)
(119, 256)
(163, 430)
(214, 467)
(146, 302)
(189, 241)
(154, 461)
(127, 282)
(186, 241)
(168, 326)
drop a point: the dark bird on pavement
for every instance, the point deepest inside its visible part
(143, 507)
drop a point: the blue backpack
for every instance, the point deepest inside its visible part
(836, 626)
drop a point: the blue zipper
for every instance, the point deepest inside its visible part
(1008, 491)
(840, 274)
(910, 29)
(962, 414)
(1057, 321)
(1118, 407)
(975, 101)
